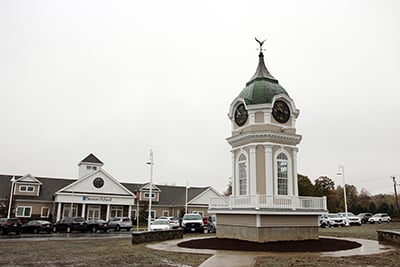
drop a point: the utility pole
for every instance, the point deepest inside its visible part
(395, 193)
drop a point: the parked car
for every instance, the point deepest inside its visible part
(119, 223)
(331, 220)
(352, 219)
(10, 225)
(193, 223)
(69, 224)
(95, 225)
(174, 222)
(37, 226)
(208, 224)
(161, 224)
(364, 217)
(379, 218)
(212, 224)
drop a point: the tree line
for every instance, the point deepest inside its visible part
(357, 202)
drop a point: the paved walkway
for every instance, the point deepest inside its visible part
(244, 258)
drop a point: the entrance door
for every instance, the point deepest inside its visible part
(93, 212)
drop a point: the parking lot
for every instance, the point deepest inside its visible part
(60, 236)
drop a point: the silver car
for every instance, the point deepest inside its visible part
(119, 223)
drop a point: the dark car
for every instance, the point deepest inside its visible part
(95, 225)
(69, 224)
(37, 226)
(364, 217)
(10, 225)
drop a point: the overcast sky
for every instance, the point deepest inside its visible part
(118, 78)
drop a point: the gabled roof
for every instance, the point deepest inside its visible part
(28, 179)
(111, 185)
(91, 159)
(169, 195)
(48, 188)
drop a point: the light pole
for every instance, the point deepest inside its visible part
(186, 198)
(151, 163)
(11, 197)
(341, 172)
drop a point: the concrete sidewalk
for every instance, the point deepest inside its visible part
(245, 258)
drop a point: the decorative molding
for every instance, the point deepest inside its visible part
(255, 136)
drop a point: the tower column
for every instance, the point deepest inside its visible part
(253, 172)
(233, 174)
(295, 178)
(269, 176)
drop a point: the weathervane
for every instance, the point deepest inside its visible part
(261, 44)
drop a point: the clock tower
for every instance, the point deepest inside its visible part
(265, 204)
(264, 139)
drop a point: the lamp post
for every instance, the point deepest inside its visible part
(151, 163)
(341, 172)
(186, 198)
(11, 197)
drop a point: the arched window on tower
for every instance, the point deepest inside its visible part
(242, 170)
(282, 166)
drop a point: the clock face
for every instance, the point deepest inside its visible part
(241, 115)
(281, 111)
(98, 182)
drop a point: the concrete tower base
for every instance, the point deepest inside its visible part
(266, 228)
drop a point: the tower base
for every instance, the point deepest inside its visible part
(266, 227)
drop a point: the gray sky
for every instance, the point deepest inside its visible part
(118, 78)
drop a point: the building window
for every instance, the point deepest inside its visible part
(116, 211)
(26, 188)
(282, 166)
(242, 170)
(147, 195)
(45, 212)
(67, 212)
(152, 214)
(24, 211)
(165, 213)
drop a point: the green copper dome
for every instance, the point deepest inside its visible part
(262, 87)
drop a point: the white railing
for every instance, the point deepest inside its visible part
(268, 201)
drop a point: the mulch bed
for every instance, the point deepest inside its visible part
(320, 245)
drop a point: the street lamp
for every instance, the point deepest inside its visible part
(11, 197)
(186, 198)
(151, 163)
(341, 172)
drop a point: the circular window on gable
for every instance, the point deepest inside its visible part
(98, 182)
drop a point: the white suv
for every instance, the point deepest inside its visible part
(379, 218)
(119, 223)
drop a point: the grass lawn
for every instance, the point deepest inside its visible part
(120, 252)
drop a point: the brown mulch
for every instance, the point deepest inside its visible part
(320, 245)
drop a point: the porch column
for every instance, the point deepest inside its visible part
(108, 213)
(59, 211)
(130, 211)
(83, 211)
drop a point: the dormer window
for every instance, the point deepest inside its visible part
(91, 168)
(147, 195)
(26, 188)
